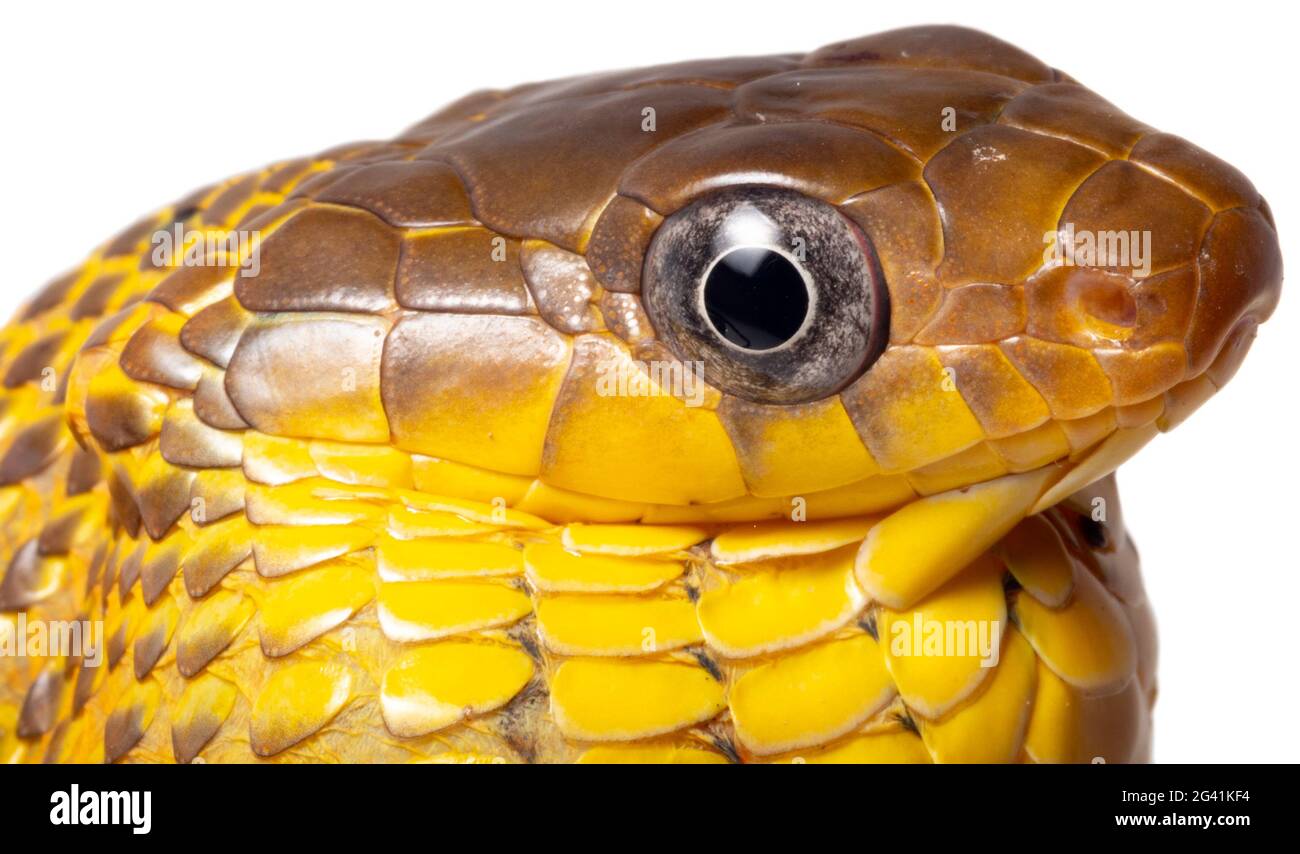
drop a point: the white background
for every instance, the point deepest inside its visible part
(110, 111)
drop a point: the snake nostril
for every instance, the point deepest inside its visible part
(1104, 305)
(1114, 305)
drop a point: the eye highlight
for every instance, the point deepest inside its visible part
(776, 293)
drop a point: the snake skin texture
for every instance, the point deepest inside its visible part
(370, 504)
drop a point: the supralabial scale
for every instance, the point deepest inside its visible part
(748, 410)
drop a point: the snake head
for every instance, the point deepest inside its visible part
(923, 254)
(898, 265)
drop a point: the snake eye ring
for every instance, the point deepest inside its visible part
(776, 293)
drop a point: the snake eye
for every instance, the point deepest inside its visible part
(777, 294)
(756, 298)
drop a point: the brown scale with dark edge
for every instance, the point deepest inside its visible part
(442, 482)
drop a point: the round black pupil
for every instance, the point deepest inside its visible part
(756, 298)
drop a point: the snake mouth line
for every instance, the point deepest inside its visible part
(478, 493)
(1081, 451)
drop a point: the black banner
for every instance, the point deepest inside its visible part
(983, 803)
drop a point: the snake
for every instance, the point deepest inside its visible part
(757, 410)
